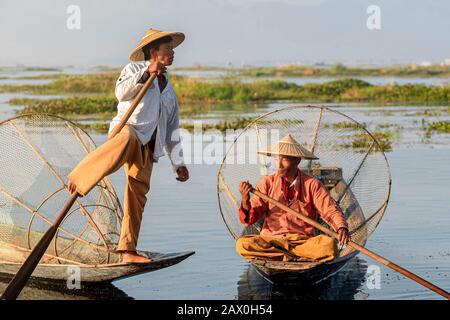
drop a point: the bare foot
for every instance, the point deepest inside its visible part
(71, 187)
(133, 257)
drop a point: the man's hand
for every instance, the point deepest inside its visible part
(244, 188)
(343, 236)
(157, 67)
(182, 174)
(71, 187)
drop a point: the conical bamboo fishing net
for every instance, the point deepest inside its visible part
(37, 152)
(351, 164)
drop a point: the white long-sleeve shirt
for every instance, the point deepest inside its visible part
(155, 110)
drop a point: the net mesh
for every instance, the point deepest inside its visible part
(351, 165)
(37, 153)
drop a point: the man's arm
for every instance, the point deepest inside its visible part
(329, 211)
(173, 145)
(130, 82)
(132, 79)
(252, 208)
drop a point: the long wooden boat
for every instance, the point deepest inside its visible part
(96, 274)
(53, 267)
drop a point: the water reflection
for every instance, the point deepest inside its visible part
(36, 290)
(345, 285)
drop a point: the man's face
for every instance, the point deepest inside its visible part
(164, 54)
(286, 165)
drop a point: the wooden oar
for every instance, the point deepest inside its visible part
(20, 279)
(356, 246)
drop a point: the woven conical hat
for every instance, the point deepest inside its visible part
(289, 147)
(152, 35)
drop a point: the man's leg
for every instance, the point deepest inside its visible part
(256, 246)
(319, 248)
(290, 247)
(104, 160)
(138, 173)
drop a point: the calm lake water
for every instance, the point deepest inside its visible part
(415, 232)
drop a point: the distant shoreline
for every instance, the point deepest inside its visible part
(441, 70)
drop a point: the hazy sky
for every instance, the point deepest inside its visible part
(219, 32)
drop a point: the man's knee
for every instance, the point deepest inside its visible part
(325, 240)
(239, 242)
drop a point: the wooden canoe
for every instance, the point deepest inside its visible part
(96, 274)
(53, 267)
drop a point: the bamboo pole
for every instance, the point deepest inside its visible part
(133, 106)
(20, 279)
(356, 246)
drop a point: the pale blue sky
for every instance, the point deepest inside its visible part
(252, 32)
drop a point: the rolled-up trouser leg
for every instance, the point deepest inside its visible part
(104, 160)
(138, 174)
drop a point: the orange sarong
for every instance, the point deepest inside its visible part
(289, 247)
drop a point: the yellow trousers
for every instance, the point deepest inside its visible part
(290, 247)
(125, 149)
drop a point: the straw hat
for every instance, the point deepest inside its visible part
(289, 147)
(152, 35)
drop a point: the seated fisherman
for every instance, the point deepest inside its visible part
(285, 237)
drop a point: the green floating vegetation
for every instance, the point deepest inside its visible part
(363, 141)
(389, 125)
(426, 113)
(340, 70)
(72, 106)
(222, 126)
(344, 125)
(99, 83)
(191, 90)
(408, 93)
(98, 127)
(438, 126)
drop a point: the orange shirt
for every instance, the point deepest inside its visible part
(310, 198)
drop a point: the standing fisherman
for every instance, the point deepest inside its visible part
(153, 125)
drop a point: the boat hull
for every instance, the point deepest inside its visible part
(96, 275)
(308, 273)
